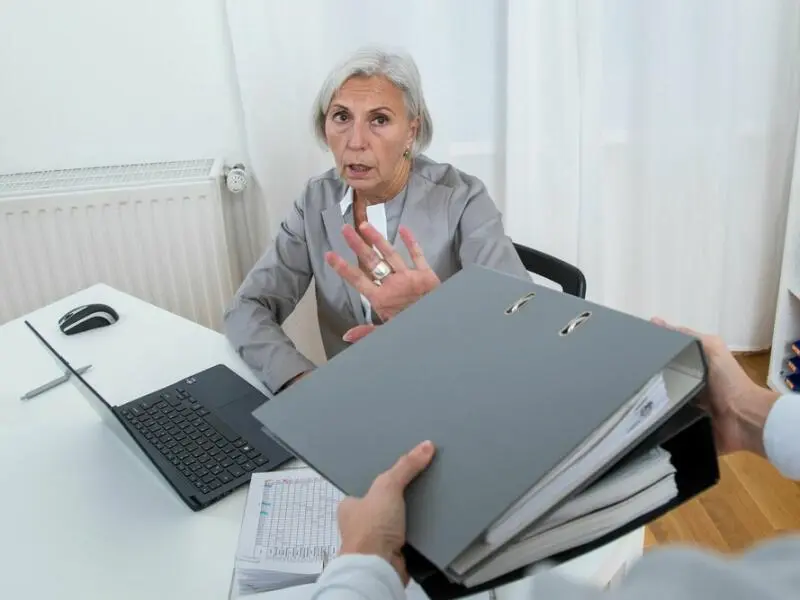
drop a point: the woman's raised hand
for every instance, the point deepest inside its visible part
(394, 285)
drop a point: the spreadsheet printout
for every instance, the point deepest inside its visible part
(290, 517)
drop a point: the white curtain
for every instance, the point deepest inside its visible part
(651, 143)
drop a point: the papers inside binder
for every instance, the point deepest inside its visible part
(610, 440)
(637, 494)
(634, 488)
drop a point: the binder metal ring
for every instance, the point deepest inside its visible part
(575, 323)
(519, 303)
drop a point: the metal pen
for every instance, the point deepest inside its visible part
(54, 383)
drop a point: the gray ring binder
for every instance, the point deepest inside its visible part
(505, 405)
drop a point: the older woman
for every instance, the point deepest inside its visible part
(371, 114)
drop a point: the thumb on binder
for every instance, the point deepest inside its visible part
(376, 523)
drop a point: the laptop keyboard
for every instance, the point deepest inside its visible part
(208, 452)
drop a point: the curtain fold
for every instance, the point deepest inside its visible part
(651, 144)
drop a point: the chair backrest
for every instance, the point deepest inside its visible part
(568, 276)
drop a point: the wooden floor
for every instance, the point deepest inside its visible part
(750, 503)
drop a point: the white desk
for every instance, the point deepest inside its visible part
(81, 517)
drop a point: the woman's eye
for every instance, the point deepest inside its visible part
(340, 117)
(380, 120)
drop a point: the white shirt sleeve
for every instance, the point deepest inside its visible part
(782, 436)
(767, 571)
(359, 577)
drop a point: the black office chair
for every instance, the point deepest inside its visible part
(569, 277)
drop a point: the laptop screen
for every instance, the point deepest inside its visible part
(94, 398)
(108, 416)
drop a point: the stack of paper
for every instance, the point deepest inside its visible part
(288, 533)
(615, 435)
(635, 488)
(526, 533)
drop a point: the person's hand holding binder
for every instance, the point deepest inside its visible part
(376, 523)
(738, 406)
(393, 292)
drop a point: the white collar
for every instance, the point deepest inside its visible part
(376, 214)
(346, 201)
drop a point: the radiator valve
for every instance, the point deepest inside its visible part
(236, 178)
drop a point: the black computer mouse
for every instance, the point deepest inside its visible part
(86, 317)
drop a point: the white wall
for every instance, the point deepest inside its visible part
(85, 82)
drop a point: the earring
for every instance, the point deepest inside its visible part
(407, 154)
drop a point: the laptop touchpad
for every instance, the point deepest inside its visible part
(238, 415)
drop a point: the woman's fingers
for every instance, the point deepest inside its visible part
(352, 275)
(414, 249)
(363, 251)
(354, 334)
(389, 254)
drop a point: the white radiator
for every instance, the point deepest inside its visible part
(156, 231)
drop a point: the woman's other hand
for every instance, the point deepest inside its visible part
(354, 334)
(294, 379)
(400, 289)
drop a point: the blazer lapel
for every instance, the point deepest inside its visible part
(424, 200)
(332, 218)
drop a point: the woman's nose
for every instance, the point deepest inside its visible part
(358, 136)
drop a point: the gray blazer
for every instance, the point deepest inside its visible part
(449, 212)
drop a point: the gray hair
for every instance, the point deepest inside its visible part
(397, 67)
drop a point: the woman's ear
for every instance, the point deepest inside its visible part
(412, 132)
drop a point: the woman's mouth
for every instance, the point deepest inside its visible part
(358, 170)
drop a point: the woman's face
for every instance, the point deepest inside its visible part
(368, 130)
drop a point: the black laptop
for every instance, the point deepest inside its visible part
(198, 433)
